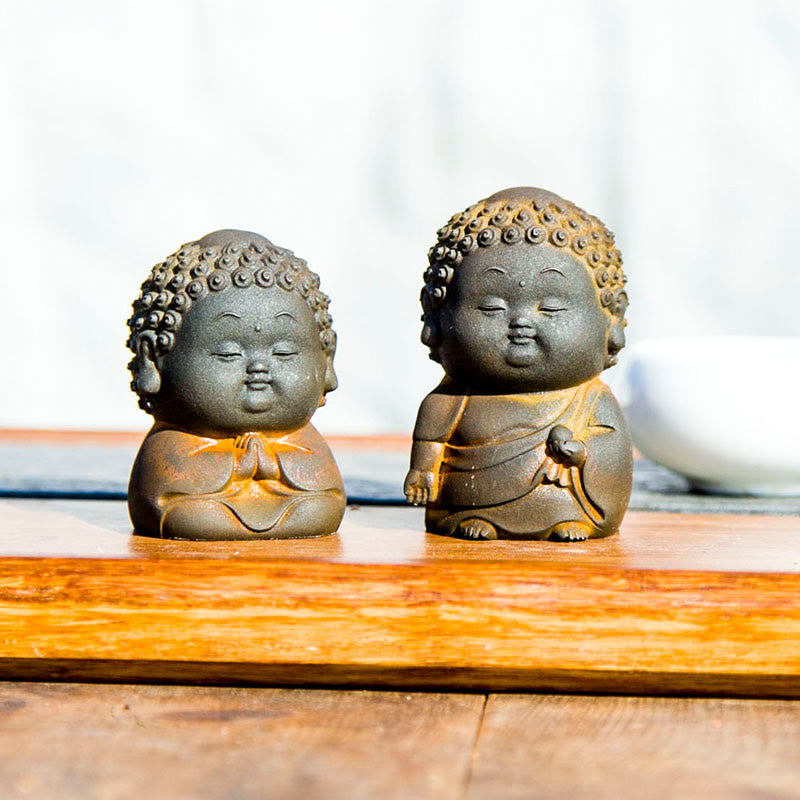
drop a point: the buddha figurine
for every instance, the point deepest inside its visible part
(233, 352)
(524, 306)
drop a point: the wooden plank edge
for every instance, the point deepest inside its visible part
(660, 684)
(488, 626)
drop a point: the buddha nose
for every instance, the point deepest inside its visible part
(257, 365)
(521, 321)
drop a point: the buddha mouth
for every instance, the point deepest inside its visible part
(258, 384)
(521, 338)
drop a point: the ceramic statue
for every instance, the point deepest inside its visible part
(233, 352)
(524, 307)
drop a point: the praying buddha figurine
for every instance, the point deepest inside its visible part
(233, 352)
(524, 306)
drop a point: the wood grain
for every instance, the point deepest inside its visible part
(612, 747)
(186, 743)
(674, 604)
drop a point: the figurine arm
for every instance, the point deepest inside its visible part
(438, 417)
(599, 456)
(421, 483)
(608, 469)
(563, 448)
(570, 448)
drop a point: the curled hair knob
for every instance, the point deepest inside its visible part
(196, 289)
(163, 300)
(444, 274)
(264, 278)
(149, 299)
(242, 277)
(535, 234)
(487, 237)
(181, 302)
(201, 269)
(165, 341)
(218, 280)
(171, 321)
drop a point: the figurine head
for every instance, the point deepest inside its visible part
(231, 334)
(524, 292)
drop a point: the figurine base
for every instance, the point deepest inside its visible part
(255, 537)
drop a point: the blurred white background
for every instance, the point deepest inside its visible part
(349, 132)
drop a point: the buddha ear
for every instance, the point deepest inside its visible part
(331, 381)
(430, 335)
(148, 378)
(616, 330)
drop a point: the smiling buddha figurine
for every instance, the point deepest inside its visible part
(524, 307)
(233, 353)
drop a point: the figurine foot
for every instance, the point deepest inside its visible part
(571, 531)
(473, 528)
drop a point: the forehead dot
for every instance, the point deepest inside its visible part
(257, 328)
(522, 283)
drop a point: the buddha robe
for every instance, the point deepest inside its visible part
(254, 486)
(495, 465)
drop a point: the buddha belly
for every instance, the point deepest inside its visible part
(490, 474)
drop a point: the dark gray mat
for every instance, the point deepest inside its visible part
(370, 477)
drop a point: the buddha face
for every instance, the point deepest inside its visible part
(244, 360)
(522, 319)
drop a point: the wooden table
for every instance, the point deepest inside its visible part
(466, 640)
(76, 741)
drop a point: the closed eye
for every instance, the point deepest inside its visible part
(491, 309)
(285, 349)
(227, 356)
(552, 304)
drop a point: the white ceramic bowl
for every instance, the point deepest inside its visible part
(722, 410)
